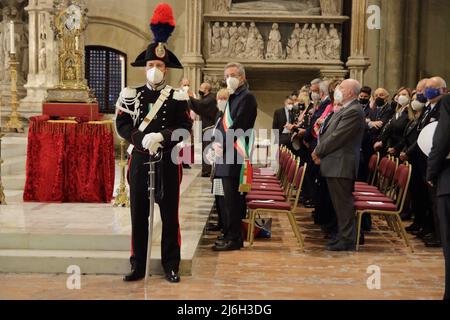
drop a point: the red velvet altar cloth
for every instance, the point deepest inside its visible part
(69, 161)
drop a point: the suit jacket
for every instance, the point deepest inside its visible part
(384, 115)
(280, 120)
(393, 132)
(206, 108)
(309, 137)
(438, 164)
(340, 144)
(244, 109)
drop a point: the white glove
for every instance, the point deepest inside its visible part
(211, 156)
(152, 142)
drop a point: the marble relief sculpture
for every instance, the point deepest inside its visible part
(274, 46)
(307, 42)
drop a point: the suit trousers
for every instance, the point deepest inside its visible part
(234, 205)
(444, 218)
(140, 206)
(341, 193)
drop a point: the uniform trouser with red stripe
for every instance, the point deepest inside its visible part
(140, 205)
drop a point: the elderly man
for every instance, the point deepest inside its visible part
(240, 115)
(206, 108)
(435, 89)
(338, 154)
(439, 175)
(380, 115)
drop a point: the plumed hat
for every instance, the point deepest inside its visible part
(162, 25)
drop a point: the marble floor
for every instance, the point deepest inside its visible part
(271, 270)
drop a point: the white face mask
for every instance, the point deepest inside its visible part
(417, 105)
(186, 89)
(155, 76)
(315, 96)
(290, 107)
(403, 100)
(232, 84)
(222, 104)
(338, 96)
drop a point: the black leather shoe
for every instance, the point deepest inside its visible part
(173, 277)
(414, 228)
(214, 228)
(433, 243)
(341, 246)
(134, 275)
(228, 246)
(186, 166)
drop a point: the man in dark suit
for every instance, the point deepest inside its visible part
(281, 119)
(206, 108)
(338, 154)
(380, 115)
(240, 116)
(439, 174)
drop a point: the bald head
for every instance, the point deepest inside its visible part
(436, 87)
(351, 89)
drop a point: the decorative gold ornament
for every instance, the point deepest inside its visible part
(2, 194)
(70, 22)
(122, 199)
(14, 123)
(160, 51)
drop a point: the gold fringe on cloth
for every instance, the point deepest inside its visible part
(59, 127)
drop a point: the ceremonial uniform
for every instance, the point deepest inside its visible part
(135, 104)
(147, 117)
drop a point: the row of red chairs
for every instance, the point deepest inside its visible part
(384, 194)
(277, 192)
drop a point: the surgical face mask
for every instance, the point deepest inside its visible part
(222, 104)
(315, 97)
(380, 102)
(232, 84)
(186, 88)
(403, 100)
(416, 105)
(364, 102)
(155, 76)
(338, 96)
(432, 93)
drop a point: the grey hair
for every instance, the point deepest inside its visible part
(440, 81)
(316, 81)
(239, 66)
(325, 87)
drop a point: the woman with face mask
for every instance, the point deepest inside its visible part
(391, 137)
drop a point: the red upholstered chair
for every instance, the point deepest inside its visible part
(283, 207)
(373, 167)
(390, 211)
(385, 181)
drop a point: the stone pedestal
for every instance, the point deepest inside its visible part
(43, 72)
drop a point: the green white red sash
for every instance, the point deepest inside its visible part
(244, 149)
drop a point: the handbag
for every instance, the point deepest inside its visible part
(262, 230)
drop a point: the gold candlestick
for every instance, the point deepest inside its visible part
(122, 199)
(14, 123)
(2, 194)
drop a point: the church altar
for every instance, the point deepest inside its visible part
(69, 161)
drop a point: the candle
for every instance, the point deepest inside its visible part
(122, 62)
(12, 40)
(76, 43)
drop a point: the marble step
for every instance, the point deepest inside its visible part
(14, 146)
(14, 165)
(89, 262)
(14, 182)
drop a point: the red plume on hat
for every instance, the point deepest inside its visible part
(162, 23)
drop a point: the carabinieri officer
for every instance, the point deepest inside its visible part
(146, 117)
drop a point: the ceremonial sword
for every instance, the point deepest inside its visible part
(154, 159)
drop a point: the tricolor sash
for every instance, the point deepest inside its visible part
(244, 149)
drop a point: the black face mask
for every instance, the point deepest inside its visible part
(364, 102)
(380, 102)
(201, 93)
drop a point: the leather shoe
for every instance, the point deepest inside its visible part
(433, 243)
(173, 277)
(134, 275)
(414, 228)
(341, 246)
(228, 246)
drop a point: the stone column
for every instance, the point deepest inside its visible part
(358, 62)
(43, 72)
(394, 61)
(192, 60)
(412, 40)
